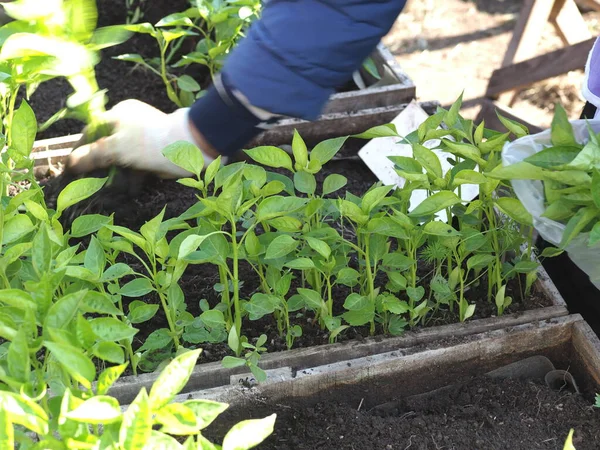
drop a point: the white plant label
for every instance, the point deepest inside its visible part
(376, 153)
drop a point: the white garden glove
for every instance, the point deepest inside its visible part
(140, 133)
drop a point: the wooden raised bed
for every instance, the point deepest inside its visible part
(210, 375)
(457, 392)
(213, 375)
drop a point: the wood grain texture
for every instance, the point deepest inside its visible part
(542, 67)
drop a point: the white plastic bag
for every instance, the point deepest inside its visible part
(531, 194)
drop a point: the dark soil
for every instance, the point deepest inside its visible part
(483, 414)
(122, 79)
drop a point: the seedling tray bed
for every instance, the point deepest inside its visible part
(374, 402)
(197, 282)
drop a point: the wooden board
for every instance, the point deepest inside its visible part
(523, 74)
(424, 369)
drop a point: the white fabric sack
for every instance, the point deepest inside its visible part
(531, 194)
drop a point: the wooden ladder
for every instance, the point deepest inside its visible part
(521, 68)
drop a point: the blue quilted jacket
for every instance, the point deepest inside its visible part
(289, 64)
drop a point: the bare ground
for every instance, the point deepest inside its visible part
(447, 46)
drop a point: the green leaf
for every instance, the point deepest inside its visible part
(319, 246)
(519, 130)
(41, 252)
(300, 264)
(277, 206)
(415, 293)
(64, 310)
(312, 298)
(466, 151)
(18, 357)
(428, 159)
(137, 288)
(324, 151)
(374, 197)
(185, 155)
(141, 312)
(596, 188)
(281, 246)
(550, 252)
(348, 277)
(588, 158)
(108, 377)
(594, 235)
(577, 223)
(23, 129)
(553, 157)
(97, 302)
(451, 116)
(229, 362)
(176, 419)
(191, 244)
(480, 261)
(440, 229)
(16, 227)
(25, 412)
(176, 19)
(514, 209)
(17, 298)
(387, 130)
(271, 157)
(356, 302)
(188, 84)
(206, 411)
(7, 434)
(333, 183)
(109, 351)
(518, 171)
(136, 428)
(116, 272)
(300, 151)
(88, 224)
(110, 330)
(469, 177)
(353, 212)
(77, 191)
(158, 339)
(562, 131)
(305, 182)
(434, 203)
(94, 259)
(261, 305)
(249, 433)
(357, 318)
(100, 409)
(172, 379)
(72, 359)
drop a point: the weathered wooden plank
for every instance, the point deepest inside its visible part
(528, 30)
(587, 344)
(211, 375)
(594, 5)
(536, 69)
(569, 23)
(420, 368)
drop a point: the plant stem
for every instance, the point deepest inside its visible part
(370, 281)
(236, 284)
(225, 295)
(164, 75)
